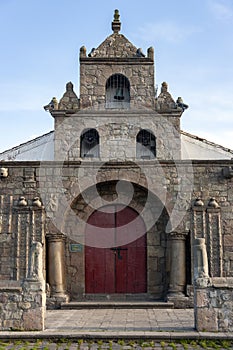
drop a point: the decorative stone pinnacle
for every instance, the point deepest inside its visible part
(116, 16)
(164, 87)
(198, 202)
(69, 86)
(213, 204)
(116, 24)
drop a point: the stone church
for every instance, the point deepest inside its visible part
(117, 193)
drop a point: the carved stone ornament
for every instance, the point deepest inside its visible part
(227, 172)
(52, 105)
(213, 204)
(165, 101)
(22, 202)
(201, 275)
(116, 24)
(150, 53)
(198, 202)
(37, 202)
(83, 51)
(35, 270)
(202, 282)
(3, 173)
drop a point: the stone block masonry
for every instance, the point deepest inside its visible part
(23, 302)
(25, 218)
(214, 306)
(22, 305)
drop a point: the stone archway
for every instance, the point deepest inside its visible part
(157, 240)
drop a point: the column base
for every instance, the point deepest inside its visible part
(55, 301)
(179, 300)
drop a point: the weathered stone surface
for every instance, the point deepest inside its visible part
(206, 320)
(69, 190)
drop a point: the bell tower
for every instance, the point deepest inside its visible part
(117, 116)
(116, 75)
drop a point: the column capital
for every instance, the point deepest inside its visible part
(178, 235)
(56, 237)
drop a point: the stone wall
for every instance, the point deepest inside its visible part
(23, 302)
(22, 306)
(117, 134)
(214, 306)
(22, 221)
(59, 186)
(94, 75)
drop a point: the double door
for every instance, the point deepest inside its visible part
(115, 252)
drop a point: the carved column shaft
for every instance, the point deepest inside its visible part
(56, 264)
(178, 264)
(198, 226)
(214, 242)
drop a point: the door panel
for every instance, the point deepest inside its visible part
(119, 268)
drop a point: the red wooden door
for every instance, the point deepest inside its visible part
(117, 267)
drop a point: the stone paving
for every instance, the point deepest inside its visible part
(117, 329)
(102, 320)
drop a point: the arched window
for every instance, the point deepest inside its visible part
(89, 147)
(146, 145)
(117, 92)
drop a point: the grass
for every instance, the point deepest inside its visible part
(66, 344)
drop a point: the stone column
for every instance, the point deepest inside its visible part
(177, 265)
(56, 266)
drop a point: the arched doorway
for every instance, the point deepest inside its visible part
(121, 265)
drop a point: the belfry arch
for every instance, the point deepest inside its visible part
(117, 91)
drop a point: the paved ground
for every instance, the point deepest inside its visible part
(117, 329)
(120, 320)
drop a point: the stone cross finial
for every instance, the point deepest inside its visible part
(116, 24)
(116, 16)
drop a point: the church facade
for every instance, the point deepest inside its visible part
(117, 193)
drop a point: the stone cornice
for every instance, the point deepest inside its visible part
(117, 60)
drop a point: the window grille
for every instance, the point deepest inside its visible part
(117, 92)
(90, 144)
(146, 145)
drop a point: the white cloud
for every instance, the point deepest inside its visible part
(167, 30)
(221, 9)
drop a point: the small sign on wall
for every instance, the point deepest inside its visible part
(76, 248)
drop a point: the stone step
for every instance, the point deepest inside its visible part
(116, 305)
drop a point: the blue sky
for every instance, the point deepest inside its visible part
(40, 42)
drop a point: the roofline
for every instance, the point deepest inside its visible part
(228, 150)
(26, 143)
